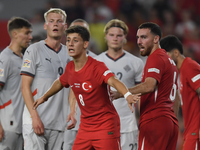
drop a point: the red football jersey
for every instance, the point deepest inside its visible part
(160, 102)
(189, 83)
(92, 93)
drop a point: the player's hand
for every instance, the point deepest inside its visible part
(1, 133)
(133, 98)
(115, 95)
(38, 126)
(72, 117)
(38, 102)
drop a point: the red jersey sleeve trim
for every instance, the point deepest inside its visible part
(35, 92)
(5, 104)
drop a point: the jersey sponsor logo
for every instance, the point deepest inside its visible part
(77, 85)
(28, 52)
(87, 86)
(27, 63)
(107, 72)
(154, 70)
(1, 72)
(193, 133)
(195, 78)
(48, 59)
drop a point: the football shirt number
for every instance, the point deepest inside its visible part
(81, 99)
(173, 90)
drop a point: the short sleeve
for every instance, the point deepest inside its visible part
(193, 75)
(29, 61)
(102, 73)
(64, 78)
(4, 69)
(140, 67)
(154, 68)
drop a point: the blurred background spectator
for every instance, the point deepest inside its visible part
(178, 17)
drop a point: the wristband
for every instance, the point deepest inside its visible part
(127, 94)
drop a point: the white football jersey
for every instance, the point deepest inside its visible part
(11, 100)
(45, 65)
(127, 68)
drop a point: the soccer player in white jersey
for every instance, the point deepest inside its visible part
(11, 100)
(43, 62)
(128, 68)
(70, 135)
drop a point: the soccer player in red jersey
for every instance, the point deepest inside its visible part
(90, 80)
(158, 124)
(189, 73)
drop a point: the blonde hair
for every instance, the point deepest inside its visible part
(116, 23)
(55, 10)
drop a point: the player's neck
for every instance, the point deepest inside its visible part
(80, 61)
(53, 43)
(115, 53)
(16, 48)
(156, 46)
(180, 60)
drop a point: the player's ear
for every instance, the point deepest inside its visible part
(14, 33)
(45, 26)
(156, 39)
(85, 45)
(65, 26)
(176, 52)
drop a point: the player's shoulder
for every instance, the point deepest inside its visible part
(133, 59)
(6, 51)
(131, 56)
(90, 53)
(94, 61)
(37, 46)
(100, 56)
(189, 64)
(6, 54)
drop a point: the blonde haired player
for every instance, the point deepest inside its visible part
(128, 68)
(44, 62)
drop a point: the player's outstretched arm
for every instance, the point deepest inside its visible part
(145, 87)
(122, 89)
(1, 132)
(56, 87)
(72, 115)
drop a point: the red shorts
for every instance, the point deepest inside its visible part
(191, 144)
(159, 134)
(96, 144)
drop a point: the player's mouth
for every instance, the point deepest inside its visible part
(71, 50)
(141, 48)
(55, 30)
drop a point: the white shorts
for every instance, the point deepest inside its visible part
(129, 141)
(11, 141)
(69, 137)
(51, 140)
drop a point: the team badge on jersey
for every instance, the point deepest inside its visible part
(87, 86)
(1, 72)
(27, 63)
